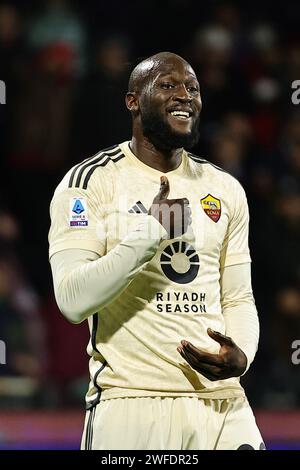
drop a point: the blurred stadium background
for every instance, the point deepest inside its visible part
(65, 65)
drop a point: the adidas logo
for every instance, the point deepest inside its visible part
(138, 208)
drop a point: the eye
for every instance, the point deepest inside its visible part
(193, 89)
(166, 86)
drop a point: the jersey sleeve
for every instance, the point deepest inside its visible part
(77, 218)
(235, 248)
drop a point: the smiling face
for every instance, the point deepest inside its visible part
(169, 104)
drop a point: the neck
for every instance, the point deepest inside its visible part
(163, 161)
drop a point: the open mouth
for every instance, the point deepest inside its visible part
(184, 115)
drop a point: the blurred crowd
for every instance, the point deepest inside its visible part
(66, 66)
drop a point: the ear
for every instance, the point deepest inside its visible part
(132, 102)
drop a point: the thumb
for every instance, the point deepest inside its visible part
(164, 189)
(221, 339)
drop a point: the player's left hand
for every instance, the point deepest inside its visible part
(230, 362)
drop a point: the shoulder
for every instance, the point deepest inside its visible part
(205, 168)
(91, 172)
(91, 178)
(80, 176)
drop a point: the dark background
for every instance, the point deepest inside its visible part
(66, 66)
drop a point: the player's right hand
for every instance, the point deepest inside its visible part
(173, 214)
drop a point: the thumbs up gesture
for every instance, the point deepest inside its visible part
(173, 214)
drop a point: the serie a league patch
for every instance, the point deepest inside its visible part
(212, 207)
(78, 212)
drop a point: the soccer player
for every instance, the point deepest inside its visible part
(150, 243)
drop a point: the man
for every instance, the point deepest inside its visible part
(164, 281)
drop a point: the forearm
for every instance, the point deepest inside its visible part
(85, 283)
(239, 310)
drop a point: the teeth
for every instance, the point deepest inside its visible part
(184, 114)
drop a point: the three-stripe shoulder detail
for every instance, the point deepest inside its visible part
(82, 172)
(202, 161)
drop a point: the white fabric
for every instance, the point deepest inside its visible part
(148, 295)
(239, 309)
(171, 424)
(85, 283)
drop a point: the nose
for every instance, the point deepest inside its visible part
(182, 94)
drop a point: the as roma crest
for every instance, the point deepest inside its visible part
(212, 207)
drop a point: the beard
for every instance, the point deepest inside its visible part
(160, 133)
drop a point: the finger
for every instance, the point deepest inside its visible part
(202, 356)
(208, 369)
(220, 338)
(164, 189)
(210, 372)
(209, 376)
(188, 359)
(208, 359)
(194, 362)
